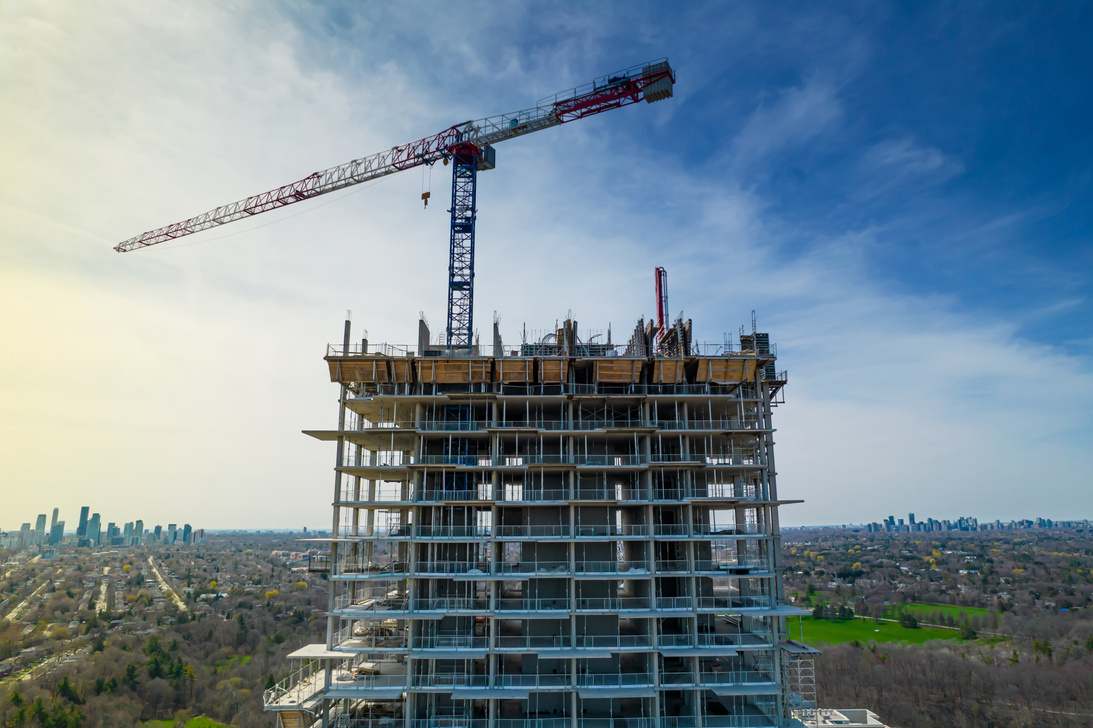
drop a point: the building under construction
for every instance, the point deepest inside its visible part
(560, 534)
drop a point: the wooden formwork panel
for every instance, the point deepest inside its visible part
(454, 371)
(668, 371)
(515, 371)
(619, 371)
(553, 371)
(725, 371)
(372, 370)
(402, 371)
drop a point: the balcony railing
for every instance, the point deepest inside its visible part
(533, 605)
(733, 602)
(614, 680)
(369, 638)
(451, 604)
(440, 642)
(451, 532)
(725, 677)
(485, 492)
(610, 567)
(612, 604)
(301, 687)
(356, 679)
(624, 641)
(371, 604)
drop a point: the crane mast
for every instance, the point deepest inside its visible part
(468, 146)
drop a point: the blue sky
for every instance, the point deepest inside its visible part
(901, 191)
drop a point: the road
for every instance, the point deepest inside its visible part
(167, 591)
(14, 615)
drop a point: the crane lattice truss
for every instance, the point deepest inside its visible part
(652, 81)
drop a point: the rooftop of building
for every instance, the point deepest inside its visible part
(651, 356)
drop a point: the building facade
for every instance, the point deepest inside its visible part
(565, 534)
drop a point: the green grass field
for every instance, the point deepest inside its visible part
(833, 633)
(933, 610)
(198, 722)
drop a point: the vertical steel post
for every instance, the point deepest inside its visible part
(461, 253)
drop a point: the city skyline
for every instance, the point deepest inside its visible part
(92, 527)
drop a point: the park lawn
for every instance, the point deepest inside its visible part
(198, 722)
(936, 609)
(232, 662)
(824, 631)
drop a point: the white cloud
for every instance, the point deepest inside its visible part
(795, 117)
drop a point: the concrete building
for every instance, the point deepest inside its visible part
(565, 534)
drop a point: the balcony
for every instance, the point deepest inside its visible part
(616, 680)
(532, 605)
(303, 688)
(716, 677)
(613, 604)
(451, 642)
(362, 569)
(610, 567)
(369, 604)
(451, 533)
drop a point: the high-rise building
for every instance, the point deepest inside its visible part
(138, 533)
(53, 521)
(187, 532)
(94, 529)
(81, 530)
(565, 535)
(158, 531)
(40, 524)
(56, 533)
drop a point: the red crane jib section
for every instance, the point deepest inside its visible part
(614, 93)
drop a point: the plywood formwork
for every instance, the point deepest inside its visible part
(618, 371)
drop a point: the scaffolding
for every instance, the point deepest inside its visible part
(576, 535)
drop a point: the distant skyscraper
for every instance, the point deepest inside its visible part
(81, 530)
(53, 521)
(186, 532)
(56, 531)
(138, 533)
(40, 526)
(93, 529)
(911, 518)
(172, 531)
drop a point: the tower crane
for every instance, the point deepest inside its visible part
(469, 148)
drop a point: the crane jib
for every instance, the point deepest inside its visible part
(469, 147)
(652, 81)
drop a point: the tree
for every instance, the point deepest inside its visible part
(65, 689)
(131, 679)
(907, 620)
